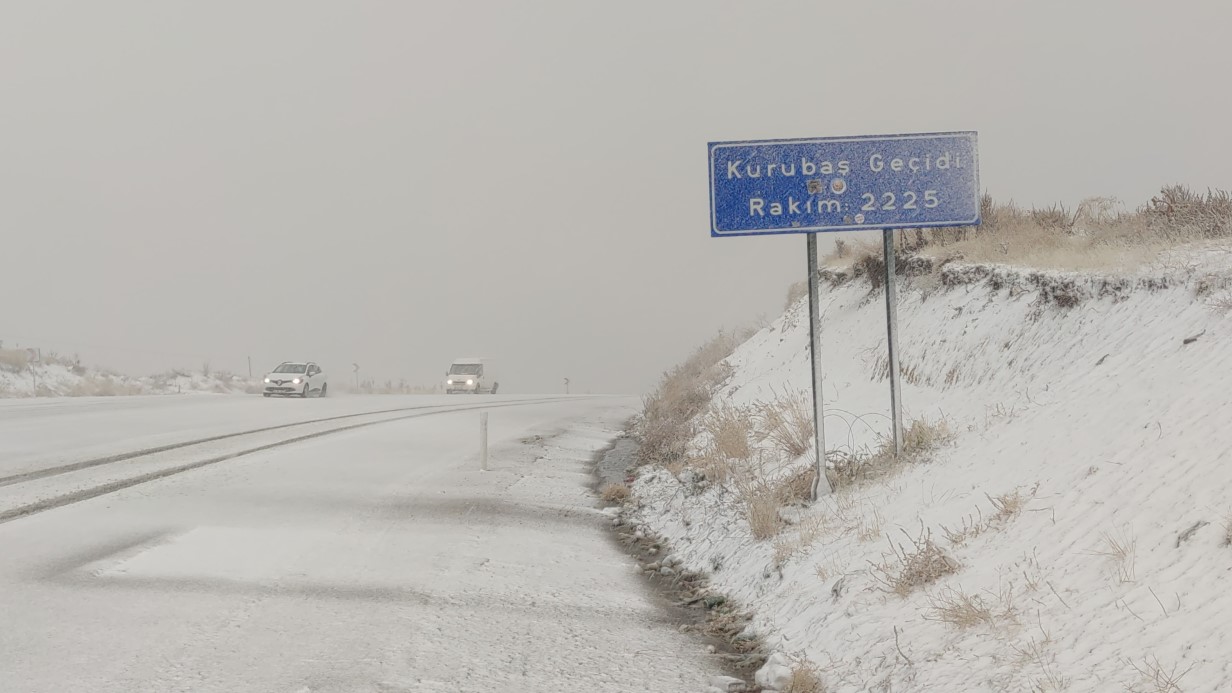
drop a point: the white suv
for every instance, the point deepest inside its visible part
(300, 379)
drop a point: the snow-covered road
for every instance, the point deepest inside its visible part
(372, 559)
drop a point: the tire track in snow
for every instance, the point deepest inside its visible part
(58, 501)
(111, 459)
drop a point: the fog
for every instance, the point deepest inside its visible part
(395, 184)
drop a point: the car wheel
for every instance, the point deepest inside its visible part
(324, 389)
(304, 394)
(265, 394)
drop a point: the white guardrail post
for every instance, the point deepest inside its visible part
(483, 441)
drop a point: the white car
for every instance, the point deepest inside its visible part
(299, 379)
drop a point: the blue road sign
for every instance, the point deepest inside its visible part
(844, 184)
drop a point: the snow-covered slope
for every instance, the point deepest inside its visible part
(1101, 403)
(54, 376)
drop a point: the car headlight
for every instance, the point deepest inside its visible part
(449, 382)
(470, 382)
(267, 380)
(296, 381)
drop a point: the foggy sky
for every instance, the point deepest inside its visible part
(400, 183)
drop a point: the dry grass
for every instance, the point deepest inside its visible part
(1155, 678)
(710, 465)
(805, 678)
(961, 610)
(1006, 507)
(761, 502)
(830, 568)
(730, 429)
(788, 547)
(762, 499)
(614, 493)
(869, 528)
(787, 422)
(923, 436)
(104, 386)
(797, 486)
(667, 422)
(14, 360)
(1120, 548)
(795, 292)
(905, 568)
(1221, 303)
(919, 439)
(1099, 233)
(1227, 529)
(1037, 652)
(971, 528)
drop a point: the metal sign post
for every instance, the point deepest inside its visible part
(810, 186)
(896, 404)
(820, 481)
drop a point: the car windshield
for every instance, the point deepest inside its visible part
(291, 368)
(466, 369)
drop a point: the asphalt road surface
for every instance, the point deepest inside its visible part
(343, 544)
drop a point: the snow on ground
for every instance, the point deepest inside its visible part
(22, 377)
(43, 432)
(1107, 418)
(373, 560)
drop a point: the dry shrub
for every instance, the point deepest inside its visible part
(730, 429)
(1180, 212)
(667, 422)
(907, 568)
(961, 610)
(787, 422)
(14, 360)
(614, 493)
(1227, 530)
(805, 678)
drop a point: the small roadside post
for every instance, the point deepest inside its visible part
(483, 441)
(831, 184)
